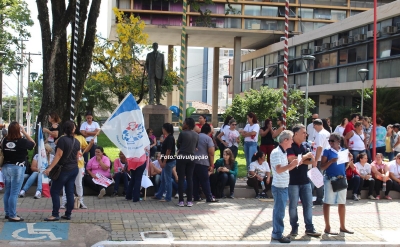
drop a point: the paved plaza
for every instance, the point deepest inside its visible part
(116, 219)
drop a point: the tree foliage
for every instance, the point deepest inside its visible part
(267, 103)
(14, 19)
(120, 68)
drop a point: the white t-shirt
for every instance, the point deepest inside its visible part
(255, 127)
(157, 164)
(311, 132)
(396, 138)
(363, 170)
(356, 142)
(92, 127)
(230, 137)
(394, 168)
(223, 130)
(260, 170)
(339, 129)
(321, 140)
(49, 161)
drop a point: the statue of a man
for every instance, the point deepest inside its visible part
(155, 67)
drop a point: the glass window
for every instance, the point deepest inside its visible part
(353, 55)
(305, 26)
(271, 71)
(246, 65)
(233, 23)
(281, 25)
(269, 25)
(292, 52)
(384, 69)
(273, 58)
(267, 60)
(302, 79)
(252, 24)
(325, 77)
(354, 12)
(269, 11)
(306, 13)
(395, 50)
(281, 12)
(350, 73)
(272, 82)
(333, 59)
(323, 14)
(338, 14)
(258, 62)
(237, 9)
(246, 86)
(252, 10)
(394, 68)
(124, 4)
(319, 24)
(299, 66)
(384, 48)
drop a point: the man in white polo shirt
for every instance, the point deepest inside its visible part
(280, 183)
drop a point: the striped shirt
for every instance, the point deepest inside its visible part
(278, 157)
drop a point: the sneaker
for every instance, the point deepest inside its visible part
(184, 195)
(164, 194)
(378, 197)
(114, 194)
(176, 195)
(355, 198)
(232, 196)
(371, 197)
(102, 193)
(181, 204)
(258, 196)
(82, 206)
(283, 240)
(263, 195)
(313, 233)
(359, 197)
(38, 195)
(62, 206)
(294, 232)
(189, 204)
(388, 197)
(22, 193)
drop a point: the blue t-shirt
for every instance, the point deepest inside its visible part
(380, 136)
(334, 169)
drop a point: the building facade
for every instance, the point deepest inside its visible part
(340, 50)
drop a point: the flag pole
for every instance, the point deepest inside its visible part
(374, 85)
(285, 65)
(74, 50)
(182, 68)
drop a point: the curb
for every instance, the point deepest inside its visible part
(238, 243)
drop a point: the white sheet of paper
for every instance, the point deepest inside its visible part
(316, 177)
(299, 157)
(343, 157)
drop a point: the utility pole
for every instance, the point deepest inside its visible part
(21, 89)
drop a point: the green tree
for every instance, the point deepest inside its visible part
(267, 103)
(14, 19)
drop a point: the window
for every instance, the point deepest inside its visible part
(306, 13)
(395, 49)
(281, 12)
(124, 4)
(323, 14)
(252, 10)
(269, 25)
(258, 62)
(281, 25)
(301, 79)
(252, 24)
(306, 26)
(353, 55)
(325, 60)
(319, 24)
(237, 8)
(269, 11)
(353, 12)
(325, 77)
(233, 23)
(384, 48)
(270, 71)
(350, 73)
(272, 82)
(338, 14)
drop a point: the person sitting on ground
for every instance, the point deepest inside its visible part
(380, 172)
(364, 169)
(100, 163)
(226, 170)
(394, 172)
(155, 171)
(259, 172)
(120, 171)
(36, 173)
(353, 179)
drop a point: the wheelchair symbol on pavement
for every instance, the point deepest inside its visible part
(46, 233)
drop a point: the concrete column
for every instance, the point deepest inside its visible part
(214, 118)
(237, 54)
(170, 67)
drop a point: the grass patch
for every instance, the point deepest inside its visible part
(109, 148)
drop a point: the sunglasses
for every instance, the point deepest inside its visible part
(331, 140)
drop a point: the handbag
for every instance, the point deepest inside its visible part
(77, 202)
(339, 184)
(55, 172)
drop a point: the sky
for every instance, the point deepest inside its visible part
(34, 45)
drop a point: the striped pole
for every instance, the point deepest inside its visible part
(285, 64)
(74, 59)
(183, 62)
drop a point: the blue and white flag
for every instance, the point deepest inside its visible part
(125, 128)
(43, 163)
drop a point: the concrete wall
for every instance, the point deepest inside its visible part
(325, 110)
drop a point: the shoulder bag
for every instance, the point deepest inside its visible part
(339, 184)
(55, 172)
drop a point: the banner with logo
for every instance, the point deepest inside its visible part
(102, 180)
(43, 163)
(125, 128)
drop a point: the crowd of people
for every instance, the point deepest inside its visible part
(277, 160)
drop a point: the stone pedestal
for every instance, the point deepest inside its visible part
(154, 117)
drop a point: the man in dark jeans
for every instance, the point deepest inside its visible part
(299, 184)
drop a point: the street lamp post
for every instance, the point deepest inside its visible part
(363, 75)
(33, 76)
(18, 66)
(307, 60)
(227, 79)
(2, 54)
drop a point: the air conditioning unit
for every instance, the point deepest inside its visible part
(345, 41)
(305, 51)
(335, 44)
(317, 48)
(326, 46)
(370, 34)
(389, 30)
(360, 37)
